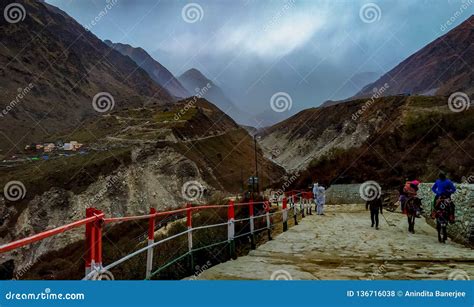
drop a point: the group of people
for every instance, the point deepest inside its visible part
(442, 208)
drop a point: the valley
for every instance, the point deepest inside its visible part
(122, 122)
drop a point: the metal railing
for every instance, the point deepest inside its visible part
(299, 201)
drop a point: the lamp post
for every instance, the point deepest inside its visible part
(255, 138)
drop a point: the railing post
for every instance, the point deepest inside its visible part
(310, 196)
(285, 214)
(302, 206)
(189, 223)
(252, 225)
(98, 240)
(295, 210)
(269, 225)
(93, 242)
(231, 229)
(90, 254)
(151, 240)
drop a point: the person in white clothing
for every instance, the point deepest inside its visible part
(321, 200)
(315, 195)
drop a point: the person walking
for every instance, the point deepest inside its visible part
(443, 209)
(375, 206)
(413, 203)
(321, 200)
(315, 195)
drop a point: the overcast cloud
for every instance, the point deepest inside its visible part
(312, 50)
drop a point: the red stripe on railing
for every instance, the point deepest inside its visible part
(46, 234)
(96, 217)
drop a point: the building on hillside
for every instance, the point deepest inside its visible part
(67, 146)
(75, 145)
(30, 147)
(49, 147)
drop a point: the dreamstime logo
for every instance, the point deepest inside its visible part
(370, 190)
(200, 269)
(22, 93)
(102, 13)
(275, 152)
(192, 190)
(378, 92)
(102, 275)
(379, 271)
(103, 102)
(14, 12)
(112, 182)
(276, 195)
(200, 92)
(192, 12)
(14, 190)
(281, 275)
(281, 102)
(266, 206)
(283, 10)
(458, 275)
(370, 13)
(464, 7)
(458, 102)
(468, 179)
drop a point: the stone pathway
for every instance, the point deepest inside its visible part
(342, 245)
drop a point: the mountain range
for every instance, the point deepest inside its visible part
(157, 72)
(411, 129)
(149, 143)
(195, 82)
(442, 67)
(65, 66)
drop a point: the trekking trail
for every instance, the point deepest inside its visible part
(342, 245)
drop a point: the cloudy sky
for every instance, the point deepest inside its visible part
(312, 50)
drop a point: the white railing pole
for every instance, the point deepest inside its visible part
(151, 240)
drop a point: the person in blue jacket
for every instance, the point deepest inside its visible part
(443, 186)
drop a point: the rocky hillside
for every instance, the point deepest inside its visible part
(134, 159)
(442, 67)
(157, 72)
(198, 84)
(51, 69)
(387, 139)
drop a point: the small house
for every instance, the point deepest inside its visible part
(67, 146)
(49, 147)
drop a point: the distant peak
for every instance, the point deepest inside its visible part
(195, 74)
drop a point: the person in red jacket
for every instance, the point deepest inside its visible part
(412, 206)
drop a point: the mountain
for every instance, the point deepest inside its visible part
(198, 84)
(354, 85)
(386, 140)
(157, 72)
(360, 80)
(51, 70)
(154, 156)
(442, 67)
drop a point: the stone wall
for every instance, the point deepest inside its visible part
(463, 229)
(343, 194)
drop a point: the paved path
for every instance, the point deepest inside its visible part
(342, 245)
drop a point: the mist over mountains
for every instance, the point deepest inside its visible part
(261, 48)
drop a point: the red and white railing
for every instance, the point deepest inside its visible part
(95, 220)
